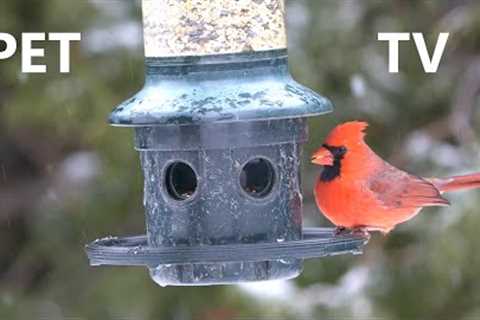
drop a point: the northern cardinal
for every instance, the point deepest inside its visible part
(359, 191)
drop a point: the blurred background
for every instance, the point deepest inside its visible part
(66, 177)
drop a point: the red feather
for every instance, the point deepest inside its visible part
(468, 181)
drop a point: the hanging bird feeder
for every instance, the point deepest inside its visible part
(219, 126)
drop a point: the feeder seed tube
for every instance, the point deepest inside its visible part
(211, 27)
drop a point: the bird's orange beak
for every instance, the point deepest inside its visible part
(322, 157)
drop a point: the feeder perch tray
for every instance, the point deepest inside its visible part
(135, 251)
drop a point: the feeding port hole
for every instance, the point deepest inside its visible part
(257, 177)
(180, 181)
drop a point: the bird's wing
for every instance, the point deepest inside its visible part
(396, 189)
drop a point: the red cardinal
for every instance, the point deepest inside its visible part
(358, 190)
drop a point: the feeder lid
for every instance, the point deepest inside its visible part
(179, 92)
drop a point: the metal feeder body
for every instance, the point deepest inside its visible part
(219, 126)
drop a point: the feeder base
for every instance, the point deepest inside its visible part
(225, 273)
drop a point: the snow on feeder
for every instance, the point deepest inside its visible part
(219, 126)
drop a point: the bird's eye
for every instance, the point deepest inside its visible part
(336, 151)
(341, 150)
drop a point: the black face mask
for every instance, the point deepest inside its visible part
(331, 172)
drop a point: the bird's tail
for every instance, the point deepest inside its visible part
(455, 183)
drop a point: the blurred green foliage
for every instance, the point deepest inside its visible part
(426, 269)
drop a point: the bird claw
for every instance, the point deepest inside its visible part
(361, 232)
(339, 231)
(357, 231)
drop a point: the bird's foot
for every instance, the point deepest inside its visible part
(339, 230)
(361, 232)
(357, 231)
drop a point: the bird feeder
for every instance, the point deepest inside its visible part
(219, 126)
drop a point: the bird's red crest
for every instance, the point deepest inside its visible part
(347, 133)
